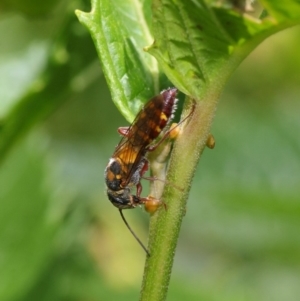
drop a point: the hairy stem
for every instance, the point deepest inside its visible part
(165, 224)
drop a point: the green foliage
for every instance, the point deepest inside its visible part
(60, 239)
(198, 46)
(32, 8)
(51, 88)
(120, 30)
(23, 224)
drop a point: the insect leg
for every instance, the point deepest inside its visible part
(123, 130)
(144, 167)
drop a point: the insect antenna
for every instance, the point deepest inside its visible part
(135, 236)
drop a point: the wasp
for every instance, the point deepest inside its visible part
(128, 163)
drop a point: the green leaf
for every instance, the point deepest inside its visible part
(26, 234)
(59, 79)
(199, 45)
(283, 11)
(120, 30)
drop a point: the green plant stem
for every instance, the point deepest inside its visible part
(165, 224)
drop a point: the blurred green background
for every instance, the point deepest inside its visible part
(61, 239)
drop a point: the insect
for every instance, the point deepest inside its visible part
(128, 163)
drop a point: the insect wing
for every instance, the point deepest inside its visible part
(131, 149)
(146, 127)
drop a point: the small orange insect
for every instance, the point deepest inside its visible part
(129, 163)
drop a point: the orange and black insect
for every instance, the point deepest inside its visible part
(129, 163)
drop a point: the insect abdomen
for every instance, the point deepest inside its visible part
(154, 117)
